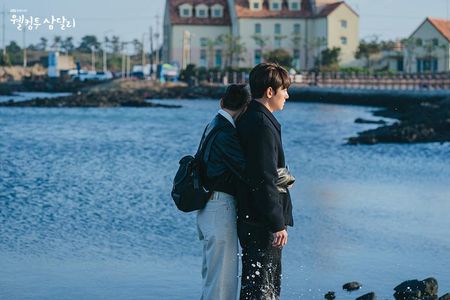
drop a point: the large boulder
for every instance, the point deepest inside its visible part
(352, 286)
(417, 289)
(368, 296)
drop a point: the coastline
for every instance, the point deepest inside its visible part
(423, 116)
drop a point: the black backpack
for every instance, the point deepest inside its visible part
(188, 191)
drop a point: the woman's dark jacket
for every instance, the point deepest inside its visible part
(260, 137)
(225, 155)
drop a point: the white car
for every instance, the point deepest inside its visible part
(92, 75)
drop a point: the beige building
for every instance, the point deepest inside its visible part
(428, 47)
(302, 27)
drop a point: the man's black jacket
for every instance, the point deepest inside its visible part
(260, 136)
(226, 160)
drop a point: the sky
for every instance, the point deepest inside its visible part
(130, 19)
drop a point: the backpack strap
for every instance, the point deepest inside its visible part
(204, 148)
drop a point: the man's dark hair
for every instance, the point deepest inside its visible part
(267, 75)
(236, 96)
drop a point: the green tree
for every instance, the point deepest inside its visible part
(233, 48)
(279, 56)
(260, 41)
(115, 44)
(330, 58)
(137, 45)
(367, 50)
(67, 45)
(314, 46)
(57, 41)
(88, 42)
(14, 54)
(42, 45)
(409, 44)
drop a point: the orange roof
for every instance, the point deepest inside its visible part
(442, 25)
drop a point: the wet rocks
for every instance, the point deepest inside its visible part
(352, 286)
(365, 121)
(419, 123)
(426, 289)
(368, 296)
(330, 295)
(92, 99)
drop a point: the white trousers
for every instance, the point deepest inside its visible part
(217, 230)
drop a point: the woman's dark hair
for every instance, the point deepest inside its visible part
(267, 75)
(236, 96)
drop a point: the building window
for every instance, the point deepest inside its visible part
(277, 28)
(203, 42)
(435, 42)
(217, 13)
(257, 28)
(277, 42)
(218, 58)
(201, 13)
(427, 65)
(258, 56)
(276, 6)
(344, 40)
(203, 58)
(419, 42)
(296, 28)
(185, 12)
(344, 23)
(295, 5)
(256, 5)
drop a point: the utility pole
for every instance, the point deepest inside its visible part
(143, 52)
(105, 63)
(123, 61)
(157, 17)
(92, 58)
(151, 51)
(128, 66)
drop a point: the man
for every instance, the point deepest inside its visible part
(263, 210)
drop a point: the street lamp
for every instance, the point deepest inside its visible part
(93, 58)
(105, 66)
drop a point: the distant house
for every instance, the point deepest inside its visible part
(428, 47)
(59, 63)
(302, 27)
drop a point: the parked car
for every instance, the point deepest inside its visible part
(92, 75)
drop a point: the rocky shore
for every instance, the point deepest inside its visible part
(91, 99)
(423, 116)
(123, 93)
(426, 289)
(422, 122)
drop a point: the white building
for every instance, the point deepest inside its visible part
(428, 47)
(302, 27)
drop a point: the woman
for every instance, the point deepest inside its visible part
(217, 221)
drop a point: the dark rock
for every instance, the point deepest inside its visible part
(93, 99)
(415, 289)
(351, 286)
(445, 297)
(330, 295)
(368, 296)
(419, 123)
(431, 286)
(364, 121)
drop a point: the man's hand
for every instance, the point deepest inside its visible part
(280, 238)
